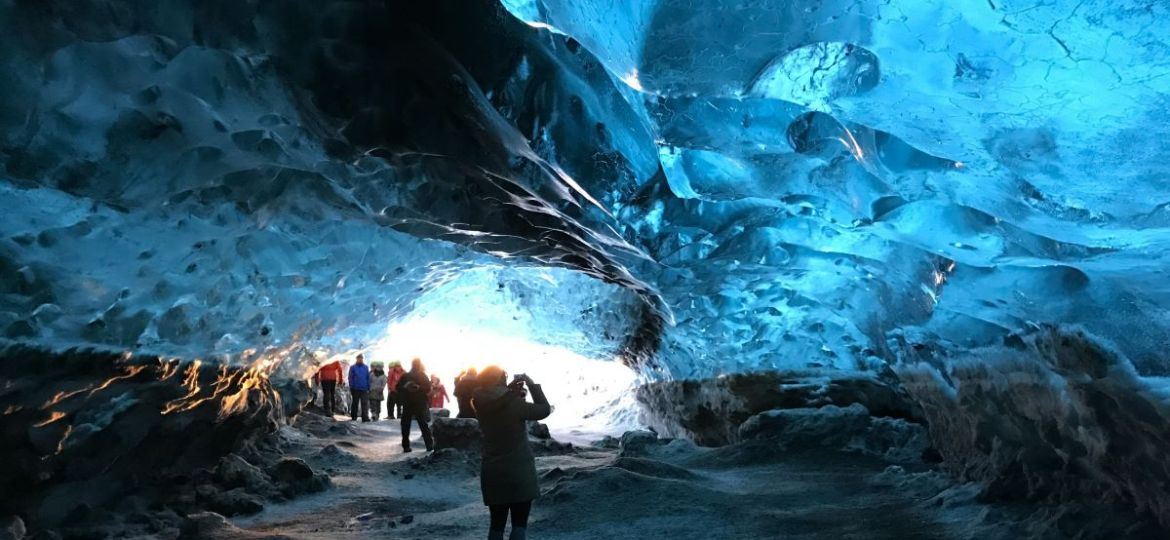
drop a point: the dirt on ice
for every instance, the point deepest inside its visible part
(636, 487)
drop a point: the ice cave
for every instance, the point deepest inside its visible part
(785, 269)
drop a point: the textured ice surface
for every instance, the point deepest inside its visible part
(770, 184)
(783, 184)
(1051, 414)
(839, 169)
(812, 185)
(171, 186)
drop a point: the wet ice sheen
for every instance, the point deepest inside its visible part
(721, 187)
(832, 171)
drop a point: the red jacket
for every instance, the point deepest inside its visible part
(438, 396)
(396, 373)
(331, 372)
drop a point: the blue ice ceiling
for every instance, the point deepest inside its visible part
(841, 168)
(751, 185)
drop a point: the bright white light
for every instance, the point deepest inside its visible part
(631, 80)
(586, 393)
(525, 320)
(542, 26)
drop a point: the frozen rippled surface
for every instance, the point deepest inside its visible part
(841, 168)
(757, 184)
(931, 193)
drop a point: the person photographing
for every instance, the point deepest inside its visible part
(508, 470)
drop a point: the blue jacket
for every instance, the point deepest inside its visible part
(359, 377)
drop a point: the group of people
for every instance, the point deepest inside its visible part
(411, 393)
(368, 385)
(508, 479)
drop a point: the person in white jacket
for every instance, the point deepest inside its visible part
(377, 390)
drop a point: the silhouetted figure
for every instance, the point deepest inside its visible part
(330, 377)
(377, 390)
(414, 390)
(359, 389)
(439, 395)
(395, 403)
(508, 470)
(465, 385)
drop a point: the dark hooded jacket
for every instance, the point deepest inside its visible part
(464, 388)
(419, 396)
(508, 470)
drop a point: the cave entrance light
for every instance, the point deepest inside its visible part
(469, 323)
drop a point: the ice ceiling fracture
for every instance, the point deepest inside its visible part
(965, 204)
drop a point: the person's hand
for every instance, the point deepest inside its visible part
(527, 380)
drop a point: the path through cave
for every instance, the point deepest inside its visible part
(650, 492)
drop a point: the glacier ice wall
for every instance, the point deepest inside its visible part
(1051, 414)
(176, 184)
(780, 184)
(927, 186)
(840, 169)
(836, 185)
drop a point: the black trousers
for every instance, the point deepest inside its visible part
(393, 405)
(465, 410)
(423, 415)
(360, 398)
(519, 513)
(329, 395)
(375, 408)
